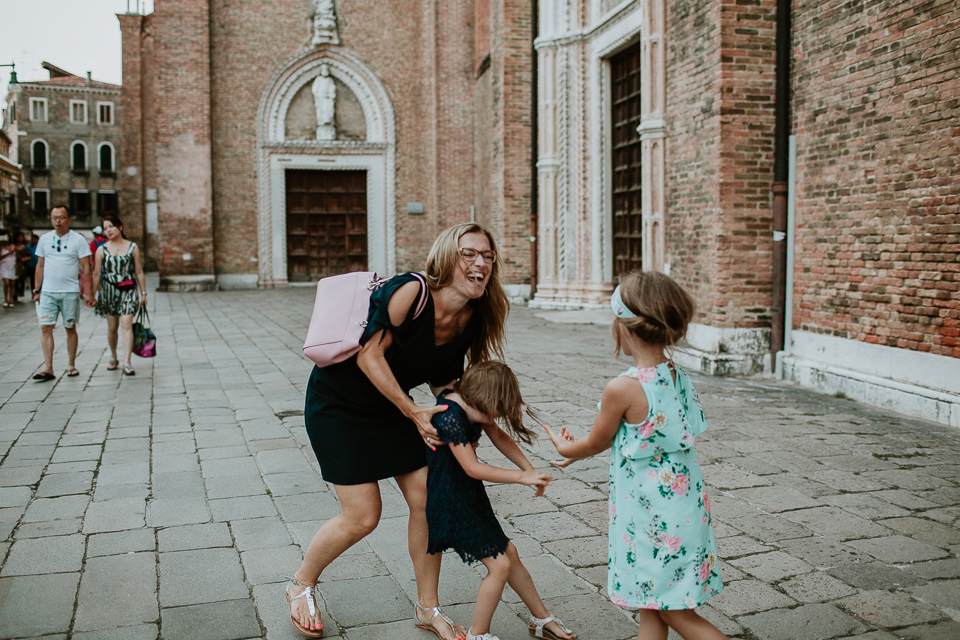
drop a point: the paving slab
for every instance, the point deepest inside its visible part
(121, 542)
(748, 596)
(23, 614)
(37, 556)
(816, 587)
(886, 609)
(897, 549)
(349, 601)
(197, 577)
(224, 620)
(138, 632)
(117, 591)
(809, 622)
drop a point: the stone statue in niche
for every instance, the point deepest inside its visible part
(324, 23)
(324, 103)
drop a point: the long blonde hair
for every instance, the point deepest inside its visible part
(492, 307)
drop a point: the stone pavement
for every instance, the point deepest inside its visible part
(172, 503)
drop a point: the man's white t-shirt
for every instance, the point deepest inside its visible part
(61, 261)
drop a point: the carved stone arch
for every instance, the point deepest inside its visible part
(375, 155)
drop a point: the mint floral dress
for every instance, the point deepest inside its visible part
(662, 553)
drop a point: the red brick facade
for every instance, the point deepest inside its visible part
(205, 69)
(876, 108)
(720, 95)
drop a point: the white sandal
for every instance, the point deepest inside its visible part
(486, 636)
(306, 594)
(436, 614)
(537, 631)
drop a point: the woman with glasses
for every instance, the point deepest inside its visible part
(364, 426)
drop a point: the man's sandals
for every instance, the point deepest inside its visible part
(436, 613)
(306, 594)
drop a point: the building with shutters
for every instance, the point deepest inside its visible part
(66, 136)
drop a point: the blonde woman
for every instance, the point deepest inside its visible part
(364, 427)
(121, 289)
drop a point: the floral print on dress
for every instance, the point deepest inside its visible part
(662, 553)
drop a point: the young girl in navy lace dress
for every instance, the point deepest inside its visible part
(663, 559)
(459, 514)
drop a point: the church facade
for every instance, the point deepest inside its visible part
(279, 142)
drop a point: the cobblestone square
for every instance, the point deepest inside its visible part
(170, 504)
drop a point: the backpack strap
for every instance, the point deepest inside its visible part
(424, 290)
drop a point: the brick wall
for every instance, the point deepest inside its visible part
(876, 106)
(131, 153)
(183, 152)
(720, 90)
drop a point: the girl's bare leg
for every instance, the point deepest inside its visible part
(690, 626)
(360, 512)
(521, 582)
(488, 595)
(652, 626)
(426, 567)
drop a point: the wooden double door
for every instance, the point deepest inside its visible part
(326, 223)
(627, 192)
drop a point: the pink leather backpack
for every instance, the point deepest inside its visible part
(340, 315)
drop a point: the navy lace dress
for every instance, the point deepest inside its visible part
(459, 514)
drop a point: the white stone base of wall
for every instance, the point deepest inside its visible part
(725, 351)
(913, 383)
(188, 283)
(517, 293)
(228, 281)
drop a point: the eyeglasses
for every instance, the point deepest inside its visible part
(471, 254)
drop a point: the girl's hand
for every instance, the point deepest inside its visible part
(538, 479)
(561, 442)
(421, 417)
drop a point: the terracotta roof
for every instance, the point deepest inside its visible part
(73, 81)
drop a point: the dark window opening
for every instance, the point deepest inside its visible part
(80, 203)
(39, 155)
(41, 203)
(79, 157)
(107, 204)
(106, 158)
(625, 116)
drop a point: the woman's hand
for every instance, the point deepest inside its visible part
(421, 417)
(534, 478)
(562, 442)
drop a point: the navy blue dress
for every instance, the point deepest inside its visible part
(459, 514)
(357, 434)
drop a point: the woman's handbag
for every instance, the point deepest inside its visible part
(144, 342)
(340, 315)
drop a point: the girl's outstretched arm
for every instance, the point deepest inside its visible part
(508, 447)
(619, 395)
(467, 457)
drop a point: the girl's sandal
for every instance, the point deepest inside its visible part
(431, 627)
(537, 630)
(306, 594)
(112, 365)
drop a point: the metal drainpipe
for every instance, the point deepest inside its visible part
(534, 148)
(780, 176)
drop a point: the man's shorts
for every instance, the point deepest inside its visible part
(51, 305)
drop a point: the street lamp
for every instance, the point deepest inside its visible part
(13, 86)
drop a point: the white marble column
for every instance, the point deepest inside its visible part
(652, 130)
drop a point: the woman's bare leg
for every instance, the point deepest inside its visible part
(126, 324)
(521, 582)
(112, 323)
(426, 567)
(652, 626)
(360, 512)
(690, 626)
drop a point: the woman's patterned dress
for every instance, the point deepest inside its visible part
(111, 301)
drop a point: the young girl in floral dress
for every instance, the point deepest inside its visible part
(663, 558)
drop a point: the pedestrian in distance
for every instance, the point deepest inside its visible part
(8, 269)
(459, 514)
(24, 256)
(63, 258)
(121, 289)
(662, 552)
(99, 237)
(364, 427)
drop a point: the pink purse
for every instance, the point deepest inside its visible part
(340, 315)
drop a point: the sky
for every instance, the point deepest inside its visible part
(75, 35)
